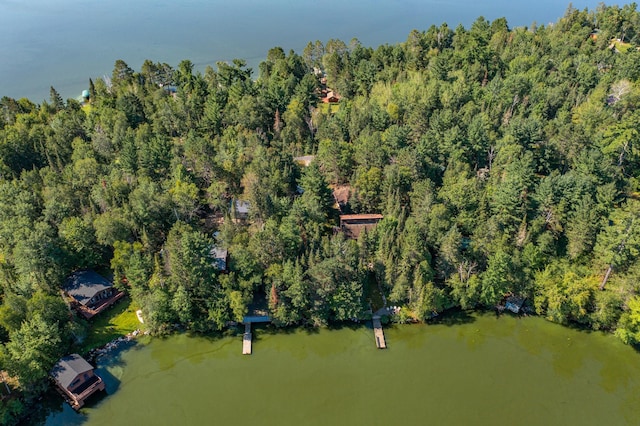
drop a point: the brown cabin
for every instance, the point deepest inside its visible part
(90, 293)
(76, 380)
(331, 98)
(353, 224)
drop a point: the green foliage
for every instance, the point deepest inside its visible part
(629, 325)
(33, 349)
(505, 161)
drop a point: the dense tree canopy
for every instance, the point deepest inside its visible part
(505, 161)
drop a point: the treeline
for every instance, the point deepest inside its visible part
(505, 161)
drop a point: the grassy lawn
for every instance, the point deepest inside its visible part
(111, 324)
(329, 108)
(621, 46)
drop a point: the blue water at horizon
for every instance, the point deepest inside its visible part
(64, 43)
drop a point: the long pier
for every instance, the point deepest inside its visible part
(378, 334)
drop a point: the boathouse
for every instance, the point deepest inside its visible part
(76, 379)
(90, 293)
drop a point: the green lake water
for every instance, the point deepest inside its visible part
(476, 370)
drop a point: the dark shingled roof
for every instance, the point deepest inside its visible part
(83, 285)
(68, 368)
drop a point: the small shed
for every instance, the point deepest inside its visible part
(514, 303)
(76, 380)
(219, 256)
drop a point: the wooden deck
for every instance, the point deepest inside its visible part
(90, 312)
(377, 332)
(246, 339)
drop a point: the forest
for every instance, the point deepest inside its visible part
(505, 161)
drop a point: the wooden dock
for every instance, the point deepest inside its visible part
(246, 339)
(377, 332)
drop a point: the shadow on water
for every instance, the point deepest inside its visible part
(453, 317)
(351, 325)
(52, 410)
(260, 330)
(270, 329)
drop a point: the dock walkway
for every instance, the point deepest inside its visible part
(247, 336)
(246, 339)
(378, 333)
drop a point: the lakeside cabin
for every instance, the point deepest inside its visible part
(89, 293)
(353, 224)
(76, 380)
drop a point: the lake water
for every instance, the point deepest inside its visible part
(65, 42)
(473, 370)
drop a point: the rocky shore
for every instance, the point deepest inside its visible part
(94, 355)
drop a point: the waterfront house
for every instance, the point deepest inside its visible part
(90, 293)
(353, 224)
(76, 380)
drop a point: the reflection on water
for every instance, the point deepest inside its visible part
(474, 370)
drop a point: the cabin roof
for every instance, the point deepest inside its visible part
(353, 224)
(242, 207)
(83, 285)
(68, 368)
